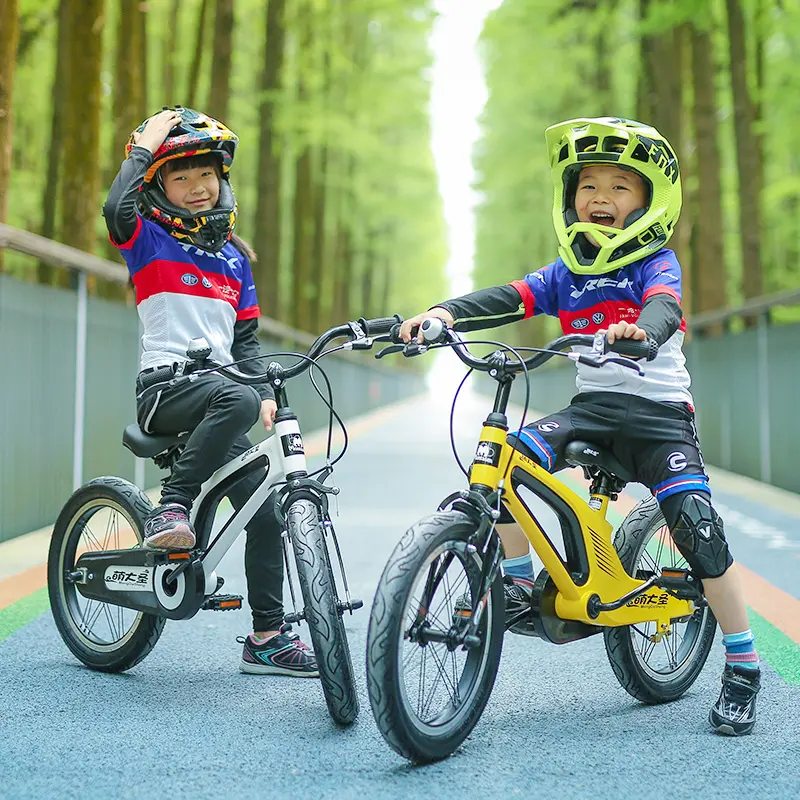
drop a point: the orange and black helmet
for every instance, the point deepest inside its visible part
(197, 134)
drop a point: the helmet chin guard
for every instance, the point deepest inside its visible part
(630, 145)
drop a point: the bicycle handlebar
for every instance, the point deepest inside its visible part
(359, 331)
(435, 332)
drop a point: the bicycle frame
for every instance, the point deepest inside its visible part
(592, 571)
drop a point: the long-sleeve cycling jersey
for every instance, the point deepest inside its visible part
(646, 292)
(182, 292)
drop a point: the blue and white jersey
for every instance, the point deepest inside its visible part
(183, 292)
(588, 303)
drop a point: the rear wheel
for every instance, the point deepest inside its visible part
(656, 670)
(322, 611)
(427, 694)
(106, 514)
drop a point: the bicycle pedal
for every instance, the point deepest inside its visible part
(222, 602)
(294, 618)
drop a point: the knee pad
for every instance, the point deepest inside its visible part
(699, 534)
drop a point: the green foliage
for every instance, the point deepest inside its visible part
(362, 65)
(543, 60)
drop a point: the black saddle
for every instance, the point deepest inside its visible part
(584, 454)
(147, 445)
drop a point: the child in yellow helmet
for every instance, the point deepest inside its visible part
(617, 199)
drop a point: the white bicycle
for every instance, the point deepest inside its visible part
(110, 597)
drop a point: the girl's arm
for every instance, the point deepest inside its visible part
(120, 207)
(245, 345)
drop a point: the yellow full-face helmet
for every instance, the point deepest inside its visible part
(631, 145)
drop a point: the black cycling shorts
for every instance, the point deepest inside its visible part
(656, 441)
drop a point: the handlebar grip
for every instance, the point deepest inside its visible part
(648, 349)
(379, 326)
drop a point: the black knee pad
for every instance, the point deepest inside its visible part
(698, 533)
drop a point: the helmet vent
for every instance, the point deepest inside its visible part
(614, 144)
(640, 153)
(564, 154)
(586, 144)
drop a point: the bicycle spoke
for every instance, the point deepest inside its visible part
(87, 531)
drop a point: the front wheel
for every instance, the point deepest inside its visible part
(106, 514)
(322, 611)
(428, 694)
(653, 669)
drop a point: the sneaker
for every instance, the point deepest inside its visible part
(734, 713)
(283, 654)
(168, 528)
(518, 593)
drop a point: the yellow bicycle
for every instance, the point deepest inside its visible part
(438, 618)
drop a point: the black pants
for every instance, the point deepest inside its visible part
(219, 412)
(656, 441)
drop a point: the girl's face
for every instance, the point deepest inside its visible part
(606, 195)
(195, 189)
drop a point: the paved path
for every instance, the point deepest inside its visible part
(186, 723)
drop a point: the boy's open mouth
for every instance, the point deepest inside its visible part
(602, 218)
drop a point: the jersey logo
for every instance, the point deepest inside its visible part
(598, 317)
(600, 283)
(580, 323)
(189, 279)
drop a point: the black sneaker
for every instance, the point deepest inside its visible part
(518, 593)
(283, 654)
(734, 714)
(168, 528)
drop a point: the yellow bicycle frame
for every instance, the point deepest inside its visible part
(604, 575)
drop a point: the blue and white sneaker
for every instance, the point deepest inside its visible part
(283, 654)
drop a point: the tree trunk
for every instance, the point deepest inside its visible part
(80, 193)
(302, 288)
(318, 260)
(267, 239)
(128, 81)
(710, 259)
(46, 272)
(168, 95)
(194, 72)
(141, 19)
(9, 37)
(749, 160)
(221, 61)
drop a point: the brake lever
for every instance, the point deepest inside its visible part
(392, 348)
(408, 350)
(607, 358)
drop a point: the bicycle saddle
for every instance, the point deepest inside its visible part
(147, 445)
(585, 454)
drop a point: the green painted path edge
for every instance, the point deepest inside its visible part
(19, 614)
(774, 646)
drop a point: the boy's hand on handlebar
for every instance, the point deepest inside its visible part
(415, 322)
(268, 411)
(624, 330)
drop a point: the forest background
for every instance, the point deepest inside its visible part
(334, 175)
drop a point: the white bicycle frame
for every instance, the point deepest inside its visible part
(284, 455)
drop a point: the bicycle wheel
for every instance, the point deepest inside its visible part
(650, 670)
(426, 695)
(322, 611)
(105, 514)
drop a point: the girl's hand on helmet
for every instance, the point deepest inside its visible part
(157, 129)
(441, 313)
(625, 330)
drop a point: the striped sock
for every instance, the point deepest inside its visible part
(520, 567)
(740, 650)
